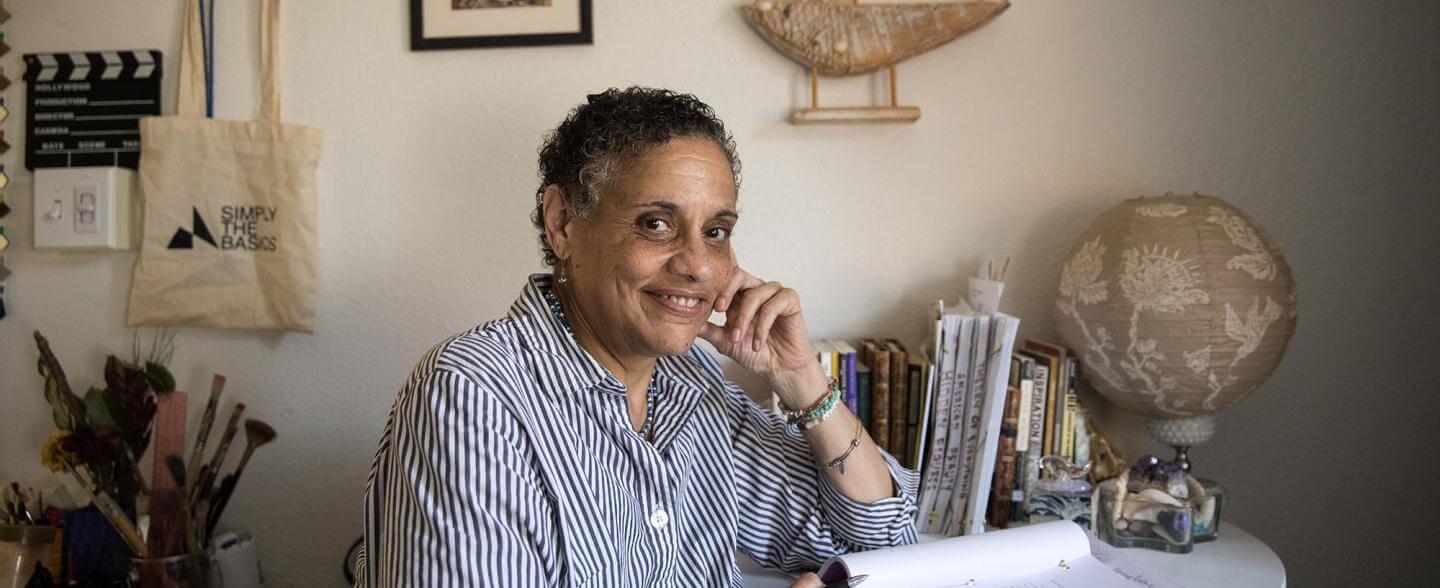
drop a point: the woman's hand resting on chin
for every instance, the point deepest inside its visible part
(765, 332)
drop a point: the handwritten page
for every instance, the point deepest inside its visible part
(1126, 567)
(1047, 555)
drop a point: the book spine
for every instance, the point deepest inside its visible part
(1067, 432)
(1017, 379)
(955, 439)
(927, 412)
(1028, 462)
(944, 381)
(1053, 398)
(912, 420)
(880, 399)
(899, 402)
(1002, 341)
(823, 356)
(1058, 371)
(1082, 435)
(1004, 479)
(974, 417)
(852, 391)
(862, 384)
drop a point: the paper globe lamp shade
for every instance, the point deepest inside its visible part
(1177, 307)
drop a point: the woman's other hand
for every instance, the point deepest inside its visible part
(765, 332)
(808, 581)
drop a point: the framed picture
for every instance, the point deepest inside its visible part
(453, 24)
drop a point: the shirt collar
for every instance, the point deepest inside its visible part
(543, 331)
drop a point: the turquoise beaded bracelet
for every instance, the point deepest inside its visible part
(819, 413)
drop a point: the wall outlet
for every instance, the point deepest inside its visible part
(86, 208)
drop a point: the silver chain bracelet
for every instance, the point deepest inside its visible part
(839, 462)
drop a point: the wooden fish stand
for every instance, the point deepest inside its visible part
(853, 114)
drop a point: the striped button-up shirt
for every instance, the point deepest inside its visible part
(509, 460)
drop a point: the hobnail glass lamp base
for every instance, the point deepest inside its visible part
(1182, 434)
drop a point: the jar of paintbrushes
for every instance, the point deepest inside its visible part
(100, 442)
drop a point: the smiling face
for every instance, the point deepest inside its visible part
(645, 268)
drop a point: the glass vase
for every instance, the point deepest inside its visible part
(187, 570)
(1129, 521)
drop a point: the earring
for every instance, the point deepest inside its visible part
(563, 279)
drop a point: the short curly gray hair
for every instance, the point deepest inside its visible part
(613, 127)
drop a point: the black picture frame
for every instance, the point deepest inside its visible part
(418, 41)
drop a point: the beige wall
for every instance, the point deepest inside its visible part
(1318, 119)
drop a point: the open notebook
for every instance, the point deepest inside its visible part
(1048, 555)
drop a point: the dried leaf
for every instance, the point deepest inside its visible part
(159, 377)
(58, 411)
(98, 407)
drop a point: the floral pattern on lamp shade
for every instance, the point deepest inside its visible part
(1177, 306)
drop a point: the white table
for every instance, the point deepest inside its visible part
(1236, 560)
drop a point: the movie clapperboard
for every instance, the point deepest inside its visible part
(84, 108)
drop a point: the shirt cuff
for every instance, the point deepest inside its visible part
(884, 523)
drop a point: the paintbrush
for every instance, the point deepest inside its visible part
(257, 433)
(230, 429)
(177, 471)
(192, 467)
(115, 515)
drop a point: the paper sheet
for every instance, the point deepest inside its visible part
(991, 557)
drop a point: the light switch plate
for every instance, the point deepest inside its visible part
(86, 208)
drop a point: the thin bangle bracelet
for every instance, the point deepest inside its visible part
(839, 462)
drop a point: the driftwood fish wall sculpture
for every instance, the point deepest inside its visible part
(843, 38)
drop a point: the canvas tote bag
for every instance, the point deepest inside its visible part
(230, 207)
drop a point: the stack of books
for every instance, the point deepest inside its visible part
(971, 412)
(1042, 417)
(962, 442)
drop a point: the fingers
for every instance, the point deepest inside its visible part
(783, 303)
(809, 580)
(740, 316)
(715, 335)
(739, 281)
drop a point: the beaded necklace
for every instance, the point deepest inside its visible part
(554, 302)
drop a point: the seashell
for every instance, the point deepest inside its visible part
(881, 34)
(1205, 511)
(1121, 489)
(1121, 524)
(1140, 511)
(1155, 496)
(1197, 490)
(1178, 489)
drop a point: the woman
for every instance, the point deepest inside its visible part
(584, 440)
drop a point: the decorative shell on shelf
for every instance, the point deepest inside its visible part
(840, 37)
(1177, 306)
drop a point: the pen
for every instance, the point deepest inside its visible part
(848, 582)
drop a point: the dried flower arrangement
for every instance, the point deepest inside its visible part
(101, 438)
